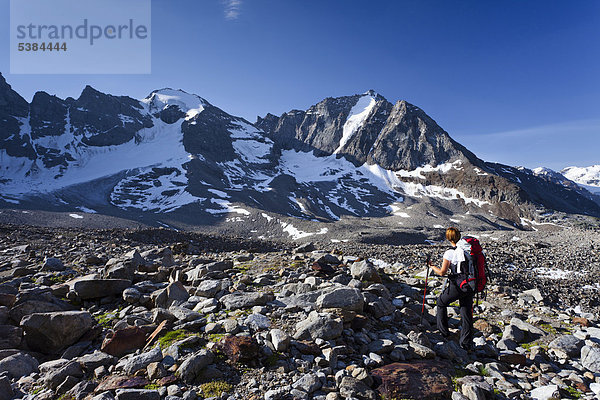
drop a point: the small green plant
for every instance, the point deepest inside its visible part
(66, 397)
(215, 388)
(215, 337)
(106, 319)
(548, 328)
(483, 371)
(272, 359)
(173, 336)
(574, 393)
(151, 386)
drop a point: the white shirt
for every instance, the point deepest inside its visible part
(457, 255)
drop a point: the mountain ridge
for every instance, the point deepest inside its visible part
(356, 155)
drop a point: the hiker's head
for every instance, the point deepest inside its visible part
(453, 234)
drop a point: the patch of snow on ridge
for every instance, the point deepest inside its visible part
(190, 104)
(296, 234)
(418, 172)
(358, 115)
(554, 273)
(76, 216)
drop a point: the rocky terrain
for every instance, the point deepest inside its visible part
(159, 314)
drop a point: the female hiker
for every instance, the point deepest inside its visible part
(452, 260)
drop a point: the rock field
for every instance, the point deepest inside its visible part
(159, 314)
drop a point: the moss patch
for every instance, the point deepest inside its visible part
(215, 388)
(173, 336)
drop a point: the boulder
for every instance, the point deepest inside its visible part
(6, 392)
(50, 332)
(319, 325)
(10, 336)
(18, 365)
(279, 339)
(90, 362)
(97, 288)
(239, 300)
(175, 292)
(53, 264)
(137, 394)
(424, 380)
(208, 288)
(590, 358)
(240, 348)
(352, 388)
(342, 297)
(123, 341)
(545, 392)
(308, 383)
(142, 360)
(567, 346)
(190, 369)
(364, 271)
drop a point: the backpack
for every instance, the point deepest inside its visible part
(474, 268)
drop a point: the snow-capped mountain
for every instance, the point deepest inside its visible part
(173, 152)
(587, 177)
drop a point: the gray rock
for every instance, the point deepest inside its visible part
(97, 288)
(184, 314)
(507, 344)
(6, 392)
(208, 288)
(142, 360)
(590, 358)
(257, 322)
(131, 295)
(53, 264)
(18, 365)
(364, 271)
(569, 345)
(189, 370)
(319, 325)
(533, 332)
(90, 362)
(308, 383)
(50, 332)
(280, 339)
(10, 336)
(239, 300)
(475, 387)
(56, 377)
(137, 394)
(545, 392)
(535, 293)
(512, 332)
(277, 394)
(422, 351)
(343, 297)
(353, 388)
(104, 396)
(175, 292)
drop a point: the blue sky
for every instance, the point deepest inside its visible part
(516, 82)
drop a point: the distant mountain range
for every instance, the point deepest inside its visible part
(174, 152)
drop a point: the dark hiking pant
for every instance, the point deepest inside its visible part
(449, 295)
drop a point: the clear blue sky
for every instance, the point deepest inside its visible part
(515, 81)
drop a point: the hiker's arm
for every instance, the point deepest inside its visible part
(440, 271)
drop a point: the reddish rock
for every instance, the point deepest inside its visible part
(423, 380)
(581, 321)
(240, 348)
(323, 268)
(167, 380)
(115, 382)
(520, 359)
(484, 327)
(124, 341)
(306, 347)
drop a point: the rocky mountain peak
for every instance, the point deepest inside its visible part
(10, 101)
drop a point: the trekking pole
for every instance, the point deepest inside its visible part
(425, 291)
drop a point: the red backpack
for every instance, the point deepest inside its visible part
(474, 267)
